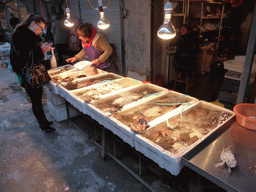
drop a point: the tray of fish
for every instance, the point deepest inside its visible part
(100, 109)
(136, 118)
(52, 85)
(68, 76)
(59, 70)
(139, 116)
(100, 91)
(85, 82)
(170, 139)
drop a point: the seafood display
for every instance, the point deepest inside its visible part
(182, 130)
(59, 79)
(95, 93)
(58, 71)
(72, 85)
(149, 111)
(116, 103)
(227, 157)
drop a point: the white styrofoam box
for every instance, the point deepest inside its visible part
(54, 98)
(149, 149)
(237, 64)
(95, 105)
(102, 116)
(96, 77)
(97, 88)
(173, 98)
(172, 162)
(124, 132)
(72, 72)
(97, 114)
(51, 71)
(62, 91)
(121, 130)
(158, 89)
(99, 76)
(178, 97)
(52, 87)
(59, 113)
(125, 83)
(74, 100)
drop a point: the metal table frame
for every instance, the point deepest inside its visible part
(104, 152)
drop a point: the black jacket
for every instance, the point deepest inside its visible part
(186, 53)
(23, 41)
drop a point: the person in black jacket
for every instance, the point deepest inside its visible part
(25, 38)
(187, 49)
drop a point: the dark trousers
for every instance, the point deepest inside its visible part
(61, 50)
(35, 95)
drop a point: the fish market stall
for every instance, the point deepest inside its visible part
(168, 127)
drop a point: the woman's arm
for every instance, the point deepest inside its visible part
(77, 57)
(103, 45)
(80, 55)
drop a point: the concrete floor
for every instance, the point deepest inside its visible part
(67, 160)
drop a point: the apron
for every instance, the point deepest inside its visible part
(109, 65)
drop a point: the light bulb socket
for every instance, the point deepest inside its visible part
(168, 5)
(168, 8)
(100, 9)
(67, 10)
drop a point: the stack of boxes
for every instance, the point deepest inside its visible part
(57, 106)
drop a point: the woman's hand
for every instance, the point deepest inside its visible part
(72, 59)
(94, 70)
(46, 47)
(96, 62)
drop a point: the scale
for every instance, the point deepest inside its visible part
(235, 68)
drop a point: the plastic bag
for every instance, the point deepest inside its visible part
(53, 61)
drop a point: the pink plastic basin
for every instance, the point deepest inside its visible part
(246, 115)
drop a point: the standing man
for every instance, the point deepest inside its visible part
(14, 21)
(61, 37)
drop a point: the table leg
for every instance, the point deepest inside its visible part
(103, 144)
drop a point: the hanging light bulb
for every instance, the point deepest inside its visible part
(103, 22)
(167, 30)
(68, 22)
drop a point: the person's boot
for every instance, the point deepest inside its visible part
(47, 128)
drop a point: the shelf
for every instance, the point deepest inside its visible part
(210, 18)
(201, 1)
(178, 14)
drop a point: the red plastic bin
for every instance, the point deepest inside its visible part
(246, 115)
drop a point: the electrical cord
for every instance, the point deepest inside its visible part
(126, 11)
(97, 8)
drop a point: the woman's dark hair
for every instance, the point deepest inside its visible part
(30, 18)
(86, 29)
